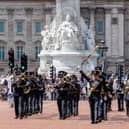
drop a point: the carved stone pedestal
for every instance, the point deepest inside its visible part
(66, 61)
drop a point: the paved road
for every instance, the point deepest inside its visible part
(49, 119)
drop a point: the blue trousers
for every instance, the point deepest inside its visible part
(120, 100)
(93, 101)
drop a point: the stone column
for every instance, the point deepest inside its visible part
(77, 6)
(58, 11)
(115, 33)
(10, 28)
(92, 19)
(29, 23)
(121, 31)
(108, 31)
(10, 31)
(29, 50)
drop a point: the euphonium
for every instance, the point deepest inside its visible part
(26, 89)
(126, 89)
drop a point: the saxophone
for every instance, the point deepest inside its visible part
(93, 87)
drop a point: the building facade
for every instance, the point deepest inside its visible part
(21, 22)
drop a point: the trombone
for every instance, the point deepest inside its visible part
(97, 47)
(92, 53)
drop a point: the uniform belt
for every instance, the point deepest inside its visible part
(96, 91)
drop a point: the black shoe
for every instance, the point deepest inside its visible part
(21, 117)
(40, 111)
(105, 119)
(36, 112)
(94, 122)
(25, 116)
(16, 117)
(109, 110)
(99, 119)
(68, 115)
(75, 114)
(121, 110)
(63, 118)
(29, 114)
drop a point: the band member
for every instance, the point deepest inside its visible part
(120, 96)
(41, 87)
(61, 99)
(104, 96)
(28, 92)
(16, 100)
(127, 100)
(106, 89)
(110, 94)
(19, 96)
(69, 97)
(76, 94)
(95, 95)
(32, 94)
(104, 101)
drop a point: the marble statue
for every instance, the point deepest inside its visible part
(90, 38)
(67, 32)
(65, 41)
(46, 38)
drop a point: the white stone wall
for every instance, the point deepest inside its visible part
(29, 13)
(116, 36)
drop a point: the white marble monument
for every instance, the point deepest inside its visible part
(64, 40)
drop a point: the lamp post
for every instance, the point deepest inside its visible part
(11, 59)
(102, 54)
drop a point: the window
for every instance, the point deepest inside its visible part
(37, 27)
(2, 53)
(20, 51)
(2, 26)
(86, 46)
(100, 53)
(1, 70)
(114, 20)
(100, 26)
(37, 51)
(19, 26)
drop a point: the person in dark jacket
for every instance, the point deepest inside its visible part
(95, 95)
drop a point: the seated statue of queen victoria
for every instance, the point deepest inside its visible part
(67, 33)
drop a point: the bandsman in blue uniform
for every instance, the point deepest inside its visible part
(95, 95)
(126, 96)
